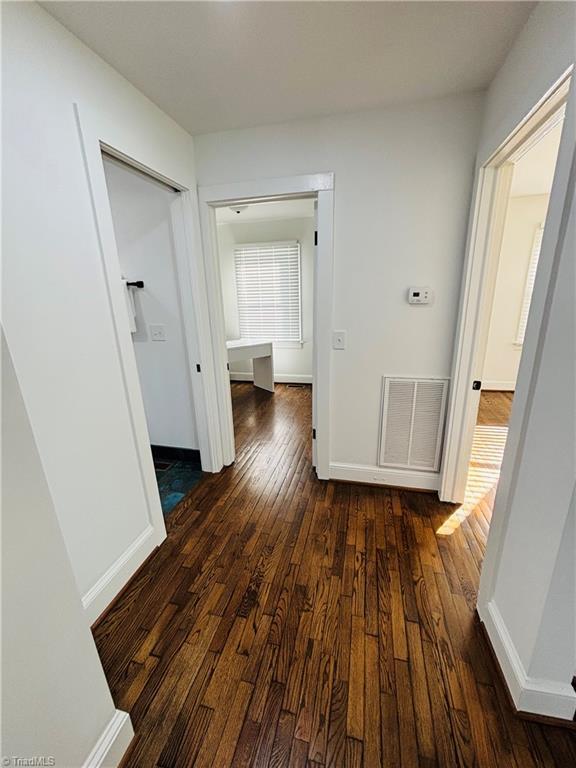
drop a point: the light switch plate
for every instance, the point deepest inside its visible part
(157, 332)
(338, 339)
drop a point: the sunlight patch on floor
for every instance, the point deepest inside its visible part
(485, 462)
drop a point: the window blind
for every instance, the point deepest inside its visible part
(529, 284)
(268, 287)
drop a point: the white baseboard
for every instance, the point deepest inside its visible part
(501, 386)
(360, 473)
(533, 695)
(113, 742)
(110, 583)
(279, 378)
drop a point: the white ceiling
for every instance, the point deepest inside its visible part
(276, 209)
(221, 65)
(534, 172)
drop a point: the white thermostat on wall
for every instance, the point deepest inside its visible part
(419, 295)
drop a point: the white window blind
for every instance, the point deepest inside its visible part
(529, 284)
(268, 287)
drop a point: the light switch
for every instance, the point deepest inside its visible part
(338, 339)
(157, 332)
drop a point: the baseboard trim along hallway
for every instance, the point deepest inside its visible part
(112, 744)
(528, 694)
(111, 582)
(359, 473)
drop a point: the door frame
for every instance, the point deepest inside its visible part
(486, 229)
(189, 279)
(320, 186)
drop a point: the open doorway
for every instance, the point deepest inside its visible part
(532, 174)
(142, 210)
(515, 188)
(320, 189)
(266, 261)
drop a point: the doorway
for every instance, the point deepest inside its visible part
(142, 213)
(531, 177)
(242, 195)
(266, 257)
(507, 232)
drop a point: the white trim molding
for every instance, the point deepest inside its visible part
(531, 695)
(279, 378)
(111, 582)
(260, 189)
(112, 743)
(499, 386)
(373, 475)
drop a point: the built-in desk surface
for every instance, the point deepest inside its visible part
(260, 352)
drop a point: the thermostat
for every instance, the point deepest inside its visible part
(420, 295)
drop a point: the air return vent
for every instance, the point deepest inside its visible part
(412, 422)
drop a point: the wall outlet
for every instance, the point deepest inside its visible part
(157, 332)
(338, 339)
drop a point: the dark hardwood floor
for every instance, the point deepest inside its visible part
(292, 622)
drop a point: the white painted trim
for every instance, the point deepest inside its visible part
(219, 408)
(258, 189)
(321, 185)
(279, 378)
(374, 475)
(112, 743)
(196, 336)
(485, 239)
(500, 386)
(322, 330)
(529, 694)
(101, 594)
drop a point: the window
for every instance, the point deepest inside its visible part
(529, 285)
(268, 287)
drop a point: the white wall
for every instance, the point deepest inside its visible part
(56, 306)
(141, 210)
(540, 55)
(55, 700)
(402, 190)
(290, 364)
(528, 572)
(523, 217)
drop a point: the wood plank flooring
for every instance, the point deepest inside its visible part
(495, 408)
(291, 622)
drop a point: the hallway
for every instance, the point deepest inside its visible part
(288, 621)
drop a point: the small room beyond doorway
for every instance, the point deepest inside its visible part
(266, 256)
(142, 213)
(525, 218)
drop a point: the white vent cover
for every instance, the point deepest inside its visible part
(412, 422)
